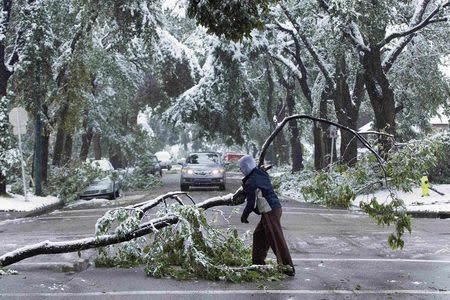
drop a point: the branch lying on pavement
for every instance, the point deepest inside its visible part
(48, 247)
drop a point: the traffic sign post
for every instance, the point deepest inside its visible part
(18, 118)
(332, 133)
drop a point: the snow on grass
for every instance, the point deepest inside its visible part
(13, 202)
(414, 200)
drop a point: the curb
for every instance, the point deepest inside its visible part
(9, 215)
(430, 214)
(43, 209)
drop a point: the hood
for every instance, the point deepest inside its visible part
(247, 164)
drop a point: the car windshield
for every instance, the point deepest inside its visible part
(203, 158)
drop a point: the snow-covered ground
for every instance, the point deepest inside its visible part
(414, 200)
(99, 202)
(14, 202)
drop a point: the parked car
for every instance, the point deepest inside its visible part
(155, 166)
(164, 159)
(203, 169)
(102, 187)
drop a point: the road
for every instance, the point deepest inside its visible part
(338, 254)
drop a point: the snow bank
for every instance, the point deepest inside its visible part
(101, 202)
(414, 201)
(14, 202)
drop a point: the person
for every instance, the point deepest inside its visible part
(268, 233)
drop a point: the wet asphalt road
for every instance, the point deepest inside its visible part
(338, 255)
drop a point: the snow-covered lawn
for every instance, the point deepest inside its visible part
(414, 200)
(14, 202)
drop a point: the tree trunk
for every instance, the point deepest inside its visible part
(347, 109)
(322, 146)
(5, 74)
(38, 155)
(96, 140)
(279, 144)
(269, 108)
(381, 98)
(116, 156)
(296, 146)
(58, 147)
(45, 150)
(67, 152)
(86, 139)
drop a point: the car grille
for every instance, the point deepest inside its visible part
(202, 172)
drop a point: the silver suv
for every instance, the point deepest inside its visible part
(203, 169)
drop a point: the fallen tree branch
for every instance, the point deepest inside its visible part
(48, 247)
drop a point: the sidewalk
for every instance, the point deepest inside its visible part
(15, 206)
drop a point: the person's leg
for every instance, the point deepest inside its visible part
(275, 236)
(260, 244)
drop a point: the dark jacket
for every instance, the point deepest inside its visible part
(258, 179)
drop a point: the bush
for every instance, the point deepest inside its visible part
(69, 181)
(140, 178)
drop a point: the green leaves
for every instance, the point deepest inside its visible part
(232, 19)
(387, 214)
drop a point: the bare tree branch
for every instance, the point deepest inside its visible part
(307, 117)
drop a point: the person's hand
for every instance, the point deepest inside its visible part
(243, 219)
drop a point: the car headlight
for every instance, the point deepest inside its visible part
(187, 171)
(218, 171)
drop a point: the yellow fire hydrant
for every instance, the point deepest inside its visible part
(425, 186)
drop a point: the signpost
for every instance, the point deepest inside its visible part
(18, 118)
(332, 133)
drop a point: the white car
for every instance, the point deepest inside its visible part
(104, 187)
(164, 159)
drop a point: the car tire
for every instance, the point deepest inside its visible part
(169, 167)
(117, 194)
(160, 173)
(222, 187)
(112, 196)
(184, 187)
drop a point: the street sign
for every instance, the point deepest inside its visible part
(18, 118)
(332, 132)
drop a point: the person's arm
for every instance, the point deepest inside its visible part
(250, 192)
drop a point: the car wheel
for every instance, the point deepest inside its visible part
(117, 194)
(222, 187)
(184, 187)
(169, 167)
(112, 196)
(160, 173)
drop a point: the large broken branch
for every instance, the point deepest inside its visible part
(48, 247)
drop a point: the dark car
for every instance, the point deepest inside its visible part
(203, 169)
(155, 167)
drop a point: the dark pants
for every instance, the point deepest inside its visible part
(267, 234)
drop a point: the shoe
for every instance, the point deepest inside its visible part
(290, 272)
